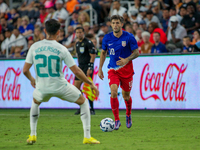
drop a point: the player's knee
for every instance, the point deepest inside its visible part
(36, 102)
(80, 100)
(126, 97)
(113, 94)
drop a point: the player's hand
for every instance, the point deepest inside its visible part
(89, 72)
(94, 89)
(33, 82)
(122, 61)
(100, 74)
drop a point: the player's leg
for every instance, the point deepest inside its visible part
(126, 85)
(115, 104)
(77, 83)
(71, 94)
(92, 111)
(114, 84)
(34, 115)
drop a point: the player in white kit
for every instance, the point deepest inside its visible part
(47, 56)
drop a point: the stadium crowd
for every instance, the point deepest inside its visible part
(159, 26)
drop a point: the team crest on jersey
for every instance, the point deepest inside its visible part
(82, 49)
(123, 43)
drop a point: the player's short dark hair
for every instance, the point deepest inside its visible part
(52, 26)
(79, 28)
(116, 1)
(157, 33)
(117, 17)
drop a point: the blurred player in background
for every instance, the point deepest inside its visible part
(122, 48)
(47, 56)
(86, 55)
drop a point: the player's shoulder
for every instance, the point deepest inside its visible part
(128, 34)
(87, 41)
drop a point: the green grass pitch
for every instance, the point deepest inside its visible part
(62, 130)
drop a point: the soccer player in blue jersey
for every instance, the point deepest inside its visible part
(122, 48)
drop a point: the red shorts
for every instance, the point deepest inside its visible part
(115, 78)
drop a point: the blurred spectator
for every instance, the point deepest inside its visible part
(12, 16)
(133, 15)
(129, 28)
(86, 27)
(117, 8)
(99, 41)
(188, 48)
(165, 19)
(26, 28)
(60, 14)
(139, 39)
(7, 42)
(98, 9)
(146, 47)
(20, 43)
(3, 8)
(175, 35)
(70, 38)
(83, 17)
(103, 29)
(153, 27)
(182, 12)
(61, 38)
(49, 9)
(156, 10)
(137, 5)
(24, 53)
(19, 22)
(196, 41)
(38, 35)
(142, 25)
(17, 53)
(70, 5)
(5, 25)
(177, 4)
(152, 18)
(158, 47)
(135, 26)
(108, 23)
(142, 12)
(192, 20)
(196, 37)
(43, 13)
(94, 41)
(126, 20)
(2, 44)
(74, 19)
(172, 12)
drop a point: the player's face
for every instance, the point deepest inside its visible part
(116, 25)
(80, 34)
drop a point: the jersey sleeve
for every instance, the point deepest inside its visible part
(91, 47)
(29, 57)
(133, 42)
(104, 43)
(68, 59)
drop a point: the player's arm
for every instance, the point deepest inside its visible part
(124, 61)
(27, 73)
(92, 53)
(81, 75)
(102, 60)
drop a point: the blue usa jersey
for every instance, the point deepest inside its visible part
(118, 47)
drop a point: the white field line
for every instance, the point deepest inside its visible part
(133, 116)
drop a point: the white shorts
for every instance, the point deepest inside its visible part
(68, 93)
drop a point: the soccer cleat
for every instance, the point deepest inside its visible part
(117, 124)
(90, 140)
(128, 121)
(77, 112)
(32, 139)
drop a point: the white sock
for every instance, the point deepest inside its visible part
(34, 115)
(85, 118)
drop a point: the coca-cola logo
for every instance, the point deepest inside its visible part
(168, 84)
(9, 87)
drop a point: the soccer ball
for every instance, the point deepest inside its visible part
(107, 125)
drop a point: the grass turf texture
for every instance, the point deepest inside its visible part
(61, 129)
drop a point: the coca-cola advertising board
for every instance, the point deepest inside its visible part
(159, 82)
